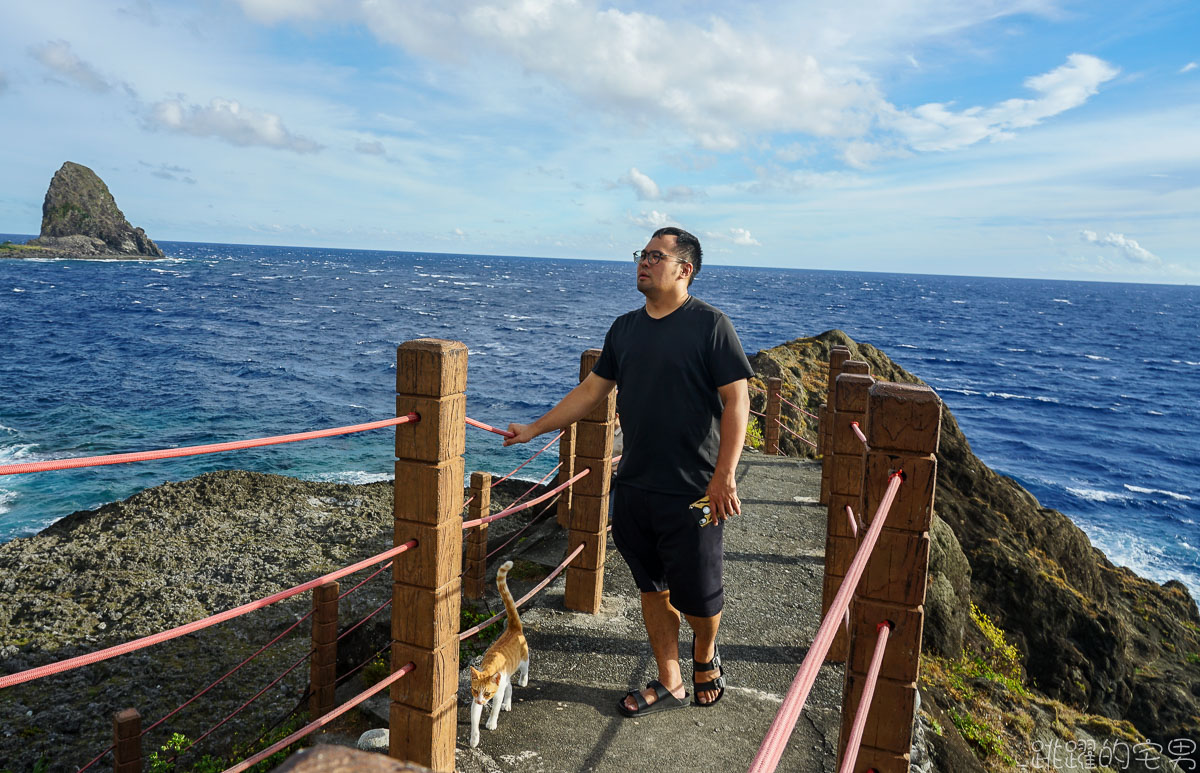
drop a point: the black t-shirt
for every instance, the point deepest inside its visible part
(667, 372)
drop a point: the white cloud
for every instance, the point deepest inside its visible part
(370, 147)
(935, 126)
(739, 236)
(1188, 67)
(57, 56)
(271, 11)
(646, 189)
(229, 121)
(1128, 247)
(652, 219)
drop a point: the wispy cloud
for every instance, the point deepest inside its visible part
(739, 236)
(652, 219)
(1188, 67)
(1126, 246)
(648, 190)
(229, 121)
(169, 172)
(934, 126)
(58, 57)
(370, 148)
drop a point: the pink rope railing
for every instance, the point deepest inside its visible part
(490, 428)
(858, 431)
(211, 448)
(776, 739)
(544, 515)
(28, 675)
(553, 440)
(527, 505)
(467, 634)
(864, 702)
(794, 432)
(325, 719)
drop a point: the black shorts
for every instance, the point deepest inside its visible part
(666, 549)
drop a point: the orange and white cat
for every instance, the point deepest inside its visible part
(507, 656)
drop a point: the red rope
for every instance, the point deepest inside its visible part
(20, 677)
(853, 523)
(490, 428)
(794, 432)
(798, 408)
(250, 762)
(527, 461)
(212, 448)
(472, 631)
(243, 707)
(776, 739)
(545, 513)
(756, 413)
(864, 702)
(529, 490)
(858, 431)
(527, 505)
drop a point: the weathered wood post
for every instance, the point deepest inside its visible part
(431, 381)
(847, 459)
(904, 422)
(475, 561)
(837, 356)
(322, 678)
(589, 504)
(771, 417)
(127, 741)
(566, 456)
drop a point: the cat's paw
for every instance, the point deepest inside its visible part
(523, 681)
(474, 738)
(491, 724)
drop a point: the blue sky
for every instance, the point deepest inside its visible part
(999, 137)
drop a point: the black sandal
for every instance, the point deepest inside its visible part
(717, 684)
(665, 701)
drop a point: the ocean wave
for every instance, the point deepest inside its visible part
(1097, 357)
(1097, 495)
(906, 346)
(349, 476)
(1062, 300)
(1036, 398)
(1175, 561)
(6, 496)
(1164, 492)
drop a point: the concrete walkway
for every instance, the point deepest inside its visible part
(581, 665)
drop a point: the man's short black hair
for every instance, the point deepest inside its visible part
(689, 247)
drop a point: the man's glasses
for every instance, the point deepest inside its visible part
(654, 257)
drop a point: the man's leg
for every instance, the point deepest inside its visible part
(662, 626)
(705, 629)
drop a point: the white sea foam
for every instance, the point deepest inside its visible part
(18, 290)
(1097, 357)
(6, 496)
(1062, 300)
(1096, 495)
(1007, 396)
(905, 346)
(1156, 413)
(1164, 492)
(1146, 558)
(958, 301)
(349, 476)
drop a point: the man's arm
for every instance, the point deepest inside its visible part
(722, 489)
(577, 404)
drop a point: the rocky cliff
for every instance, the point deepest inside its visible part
(80, 219)
(1088, 635)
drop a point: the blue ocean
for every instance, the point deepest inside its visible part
(1084, 392)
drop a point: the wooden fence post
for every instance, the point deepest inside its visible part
(771, 419)
(323, 665)
(837, 356)
(475, 562)
(589, 503)
(904, 423)
(847, 457)
(127, 741)
(566, 456)
(431, 380)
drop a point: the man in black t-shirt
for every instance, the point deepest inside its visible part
(683, 401)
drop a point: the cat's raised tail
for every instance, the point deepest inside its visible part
(514, 622)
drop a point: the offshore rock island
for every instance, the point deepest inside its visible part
(80, 219)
